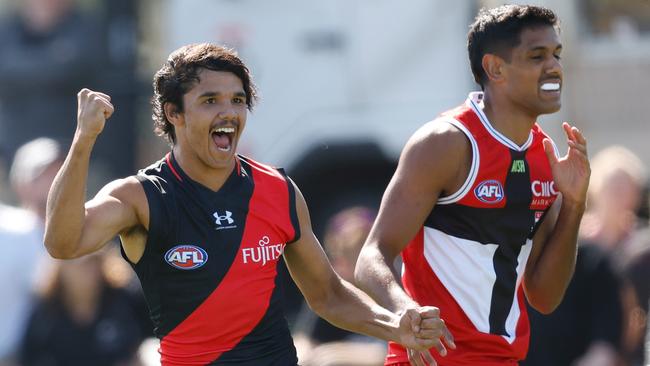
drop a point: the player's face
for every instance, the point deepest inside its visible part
(534, 73)
(215, 113)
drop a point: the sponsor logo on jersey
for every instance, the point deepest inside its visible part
(518, 166)
(224, 221)
(543, 193)
(186, 257)
(489, 191)
(543, 188)
(263, 252)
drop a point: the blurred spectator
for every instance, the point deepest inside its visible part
(34, 167)
(586, 329)
(318, 342)
(636, 267)
(617, 180)
(635, 262)
(590, 326)
(50, 50)
(82, 317)
(21, 236)
(21, 245)
(616, 190)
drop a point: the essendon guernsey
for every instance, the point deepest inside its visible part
(209, 267)
(469, 257)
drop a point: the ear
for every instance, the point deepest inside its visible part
(493, 66)
(173, 115)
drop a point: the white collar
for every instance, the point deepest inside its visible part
(475, 101)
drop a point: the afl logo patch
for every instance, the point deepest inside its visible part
(186, 257)
(489, 191)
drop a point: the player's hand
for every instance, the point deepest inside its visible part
(421, 329)
(570, 172)
(93, 109)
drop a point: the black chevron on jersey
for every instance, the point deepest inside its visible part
(505, 258)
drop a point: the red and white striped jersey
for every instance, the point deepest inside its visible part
(469, 257)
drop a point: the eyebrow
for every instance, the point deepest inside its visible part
(209, 94)
(542, 48)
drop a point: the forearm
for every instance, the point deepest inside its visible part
(374, 275)
(548, 280)
(349, 308)
(65, 213)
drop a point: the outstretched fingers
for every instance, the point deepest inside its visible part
(576, 140)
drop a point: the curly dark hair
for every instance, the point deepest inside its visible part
(498, 31)
(180, 73)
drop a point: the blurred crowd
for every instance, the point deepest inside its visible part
(90, 311)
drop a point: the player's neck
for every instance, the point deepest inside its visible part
(508, 118)
(200, 172)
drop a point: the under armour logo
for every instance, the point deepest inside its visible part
(227, 217)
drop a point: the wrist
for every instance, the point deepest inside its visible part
(574, 205)
(393, 325)
(84, 137)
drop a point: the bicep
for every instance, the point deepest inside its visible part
(307, 262)
(113, 210)
(428, 166)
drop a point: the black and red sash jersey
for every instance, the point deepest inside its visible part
(209, 268)
(469, 257)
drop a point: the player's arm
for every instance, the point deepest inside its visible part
(72, 229)
(553, 257)
(431, 164)
(344, 305)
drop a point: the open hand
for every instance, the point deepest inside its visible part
(570, 172)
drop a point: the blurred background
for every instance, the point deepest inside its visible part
(343, 85)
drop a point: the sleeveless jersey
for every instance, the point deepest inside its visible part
(469, 257)
(208, 270)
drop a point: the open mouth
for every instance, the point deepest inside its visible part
(223, 137)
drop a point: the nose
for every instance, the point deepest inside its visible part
(554, 67)
(227, 114)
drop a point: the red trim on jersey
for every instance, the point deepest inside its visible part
(282, 201)
(473, 348)
(242, 298)
(238, 166)
(171, 166)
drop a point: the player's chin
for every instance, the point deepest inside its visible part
(221, 159)
(548, 107)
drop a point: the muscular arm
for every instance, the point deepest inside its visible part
(435, 161)
(73, 229)
(553, 257)
(342, 304)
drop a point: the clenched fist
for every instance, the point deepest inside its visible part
(93, 109)
(423, 329)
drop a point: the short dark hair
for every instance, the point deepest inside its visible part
(498, 31)
(180, 73)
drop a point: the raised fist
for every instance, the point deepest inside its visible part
(93, 109)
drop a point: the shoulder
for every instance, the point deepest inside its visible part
(437, 142)
(127, 191)
(125, 187)
(260, 169)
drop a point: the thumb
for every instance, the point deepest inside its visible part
(549, 149)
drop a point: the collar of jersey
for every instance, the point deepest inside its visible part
(475, 101)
